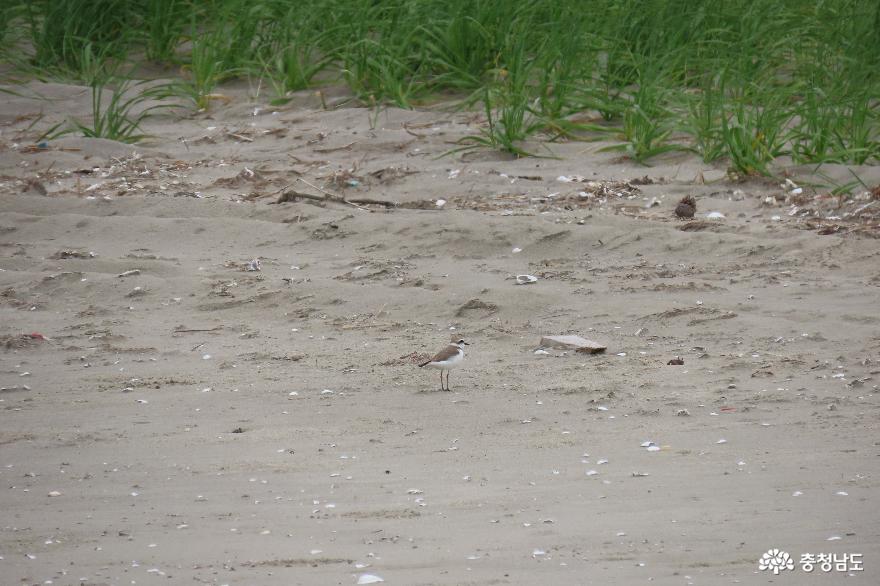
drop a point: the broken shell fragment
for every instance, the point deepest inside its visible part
(525, 279)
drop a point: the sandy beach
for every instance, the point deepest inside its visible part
(174, 412)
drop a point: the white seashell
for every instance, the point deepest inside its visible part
(440, 203)
(369, 579)
(516, 250)
(592, 472)
(653, 448)
(721, 441)
(715, 216)
(525, 279)
(647, 444)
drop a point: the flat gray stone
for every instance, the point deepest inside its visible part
(575, 343)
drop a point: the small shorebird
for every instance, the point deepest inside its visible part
(447, 359)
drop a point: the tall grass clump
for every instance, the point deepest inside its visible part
(739, 82)
(67, 34)
(118, 117)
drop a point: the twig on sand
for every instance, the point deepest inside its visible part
(240, 137)
(324, 191)
(332, 149)
(183, 331)
(287, 195)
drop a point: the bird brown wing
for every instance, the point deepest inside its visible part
(445, 354)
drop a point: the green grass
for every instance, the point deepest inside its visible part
(118, 118)
(739, 82)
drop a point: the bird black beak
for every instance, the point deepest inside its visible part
(465, 343)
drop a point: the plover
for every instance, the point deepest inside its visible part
(447, 359)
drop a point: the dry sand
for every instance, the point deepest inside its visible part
(197, 422)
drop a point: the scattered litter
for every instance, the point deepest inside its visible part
(640, 474)
(525, 279)
(650, 446)
(834, 538)
(440, 203)
(721, 441)
(253, 265)
(538, 553)
(130, 273)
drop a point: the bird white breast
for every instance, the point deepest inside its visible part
(449, 363)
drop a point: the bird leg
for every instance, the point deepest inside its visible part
(441, 380)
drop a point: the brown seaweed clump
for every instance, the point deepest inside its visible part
(686, 208)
